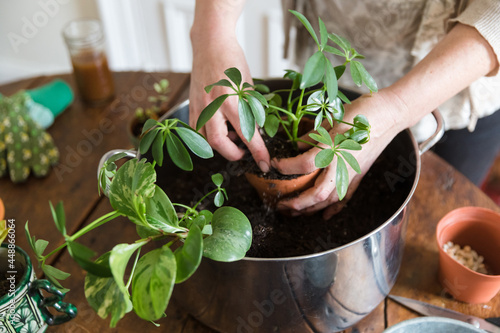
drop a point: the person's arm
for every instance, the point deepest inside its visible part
(460, 58)
(215, 49)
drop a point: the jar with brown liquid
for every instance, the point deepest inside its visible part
(85, 41)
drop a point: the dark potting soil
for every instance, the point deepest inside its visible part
(381, 193)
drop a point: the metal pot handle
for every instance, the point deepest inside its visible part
(129, 154)
(434, 138)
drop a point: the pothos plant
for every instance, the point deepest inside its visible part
(313, 93)
(124, 279)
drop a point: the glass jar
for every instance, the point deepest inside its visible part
(85, 41)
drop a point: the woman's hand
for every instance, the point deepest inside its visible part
(215, 49)
(380, 109)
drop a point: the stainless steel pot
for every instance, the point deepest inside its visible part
(322, 292)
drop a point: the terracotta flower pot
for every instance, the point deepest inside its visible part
(272, 190)
(2, 210)
(480, 229)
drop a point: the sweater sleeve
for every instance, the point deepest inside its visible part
(484, 15)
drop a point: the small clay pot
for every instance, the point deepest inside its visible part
(2, 210)
(480, 229)
(273, 190)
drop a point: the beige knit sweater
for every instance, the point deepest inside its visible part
(396, 34)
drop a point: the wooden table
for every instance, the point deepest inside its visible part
(84, 134)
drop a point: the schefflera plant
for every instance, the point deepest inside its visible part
(124, 279)
(313, 93)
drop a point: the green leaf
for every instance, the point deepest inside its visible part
(331, 81)
(195, 142)
(82, 254)
(59, 217)
(349, 144)
(158, 149)
(323, 33)
(147, 140)
(258, 95)
(338, 139)
(219, 199)
(220, 83)
(133, 182)
(261, 88)
(314, 70)
(217, 179)
(339, 71)
(208, 216)
(257, 110)
(340, 41)
(234, 75)
(31, 240)
(343, 97)
(355, 74)
(327, 139)
(188, 257)
(231, 237)
(324, 158)
(146, 231)
(40, 246)
(118, 261)
(333, 50)
(149, 124)
(105, 297)
(361, 121)
(271, 125)
(317, 121)
(55, 272)
(153, 283)
(210, 110)
(178, 153)
(351, 160)
(342, 178)
(306, 24)
(161, 214)
(366, 78)
(200, 221)
(360, 136)
(247, 120)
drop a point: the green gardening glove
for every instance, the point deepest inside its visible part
(24, 146)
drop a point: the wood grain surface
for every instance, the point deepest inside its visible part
(84, 134)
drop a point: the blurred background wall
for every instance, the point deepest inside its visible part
(149, 35)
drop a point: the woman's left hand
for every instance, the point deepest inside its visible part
(380, 111)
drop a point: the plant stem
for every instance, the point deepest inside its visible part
(206, 195)
(100, 221)
(133, 269)
(309, 143)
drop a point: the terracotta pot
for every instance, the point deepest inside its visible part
(2, 210)
(272, 190)
(480, 229)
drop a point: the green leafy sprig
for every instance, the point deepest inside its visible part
(184, 233)
(314, 94)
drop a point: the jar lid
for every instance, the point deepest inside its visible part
(83, 32)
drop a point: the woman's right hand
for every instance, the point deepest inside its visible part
(215, 49)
